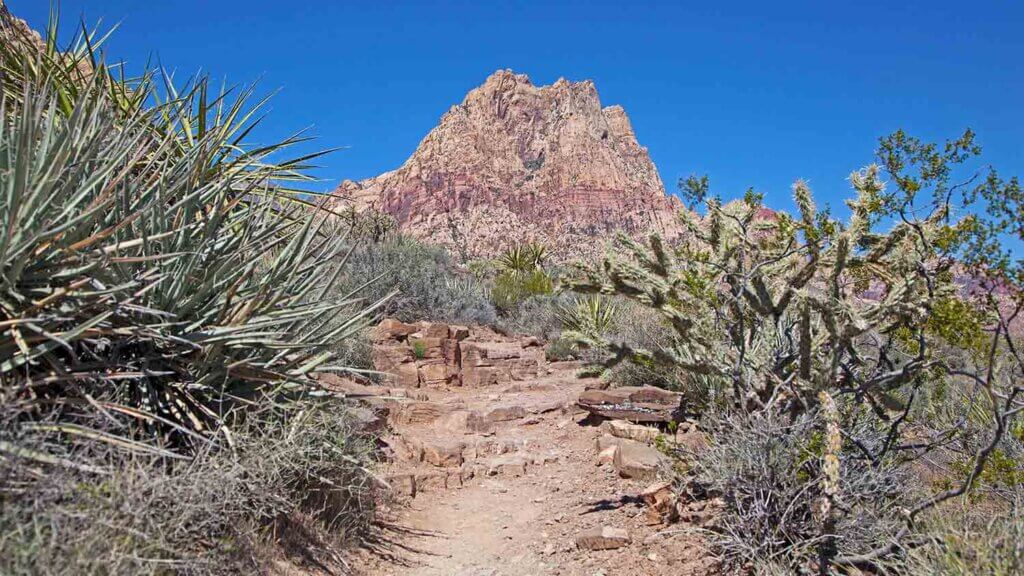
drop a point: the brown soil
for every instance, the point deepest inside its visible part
(508, 524)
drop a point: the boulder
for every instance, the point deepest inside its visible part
(607, 441)
(435, 330)
(632, 403)
(403, 450)
(603, 538)
(607, 456)
(636, 460)
(504, 414)
(464, 421)
(432, 373)
(660, 500)
(388, 357)
(408, 375)
(443, 454)
(393, 330)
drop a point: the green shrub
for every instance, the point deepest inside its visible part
(523, 258)
(511, 289)
(419, 349)
(863, 324)
(164, 305)
(170, 276)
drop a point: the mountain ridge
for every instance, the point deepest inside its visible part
(515, 162)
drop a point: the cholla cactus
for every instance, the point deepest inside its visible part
(781, 292)
(810, 313)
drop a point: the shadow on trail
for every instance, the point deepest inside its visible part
(610, 504)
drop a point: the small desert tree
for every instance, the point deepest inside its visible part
(849, 322)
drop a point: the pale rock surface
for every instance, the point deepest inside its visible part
(603, 538)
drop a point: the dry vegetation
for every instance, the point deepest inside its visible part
(164, 307)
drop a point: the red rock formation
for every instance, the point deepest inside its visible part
(518, 162)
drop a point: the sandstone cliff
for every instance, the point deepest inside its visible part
(518, 162)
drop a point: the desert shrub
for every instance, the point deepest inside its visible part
(639, 327)
(428, 285)
(523, 258)
(561, 349)
(510, 289)
(520, 276)
(171, 276)
(294, 477)
(419, 349)
(861, 326)
(768, 469)
(973, 540)
(536, 316)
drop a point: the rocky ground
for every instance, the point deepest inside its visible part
(516, 478)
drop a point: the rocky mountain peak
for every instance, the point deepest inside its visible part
(516, 162)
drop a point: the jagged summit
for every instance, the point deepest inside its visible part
(515, 162)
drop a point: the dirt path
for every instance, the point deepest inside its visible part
(506, 480)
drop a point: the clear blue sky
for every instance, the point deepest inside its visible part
(752, 93)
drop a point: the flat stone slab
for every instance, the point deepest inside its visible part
(632, 403)
(507, 466)
(603, 538)
(628, 430)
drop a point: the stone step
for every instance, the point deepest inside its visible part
(410, 482)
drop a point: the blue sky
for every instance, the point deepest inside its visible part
(751, 93)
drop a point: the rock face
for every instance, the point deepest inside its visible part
(517, 162)
(13, 29)
(435, 355)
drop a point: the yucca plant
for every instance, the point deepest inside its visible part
(523, 258)
(154, 271)
(593, 314)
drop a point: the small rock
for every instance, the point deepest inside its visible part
(443, 454)
(607, 456)
(603, 538)
(507, 466)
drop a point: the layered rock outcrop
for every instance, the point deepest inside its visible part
(517, 162)
(433, 354)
